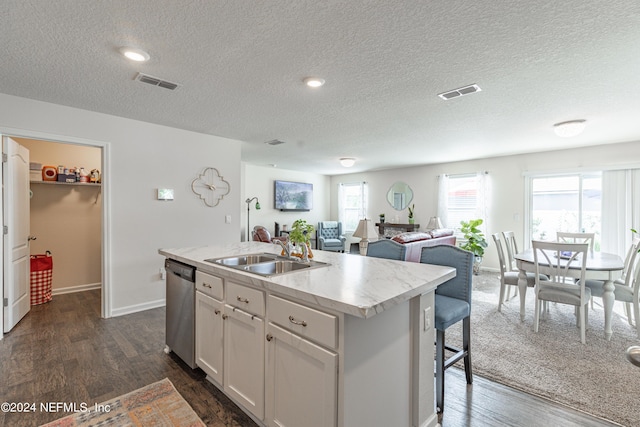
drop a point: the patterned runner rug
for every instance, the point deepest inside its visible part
(158, 404)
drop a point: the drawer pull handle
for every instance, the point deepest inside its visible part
(206, 285)
(297, 322)
(224, 316)
(216, 311)
(269, 337)
(241, 299)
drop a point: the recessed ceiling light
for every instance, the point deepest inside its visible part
(570, 128)
(347, 162)
(313, 81)
(135, 54)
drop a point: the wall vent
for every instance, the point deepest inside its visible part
(461, 91)
(145, 78)
(274, 142)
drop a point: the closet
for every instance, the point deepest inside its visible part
(66, 218)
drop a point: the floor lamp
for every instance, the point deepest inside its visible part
(248, 202)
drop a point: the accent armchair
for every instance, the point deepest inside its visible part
(261, 234)
(330, 236)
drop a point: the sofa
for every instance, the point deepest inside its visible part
(415, 241)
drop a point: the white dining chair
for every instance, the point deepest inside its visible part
(511, 247)
(565, 237)
(626, 287)
(509, 274)
(560, 260)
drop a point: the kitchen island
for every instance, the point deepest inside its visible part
(346, 344)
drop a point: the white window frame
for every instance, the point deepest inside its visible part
(361, 210)
(528, 196)
(482, 202)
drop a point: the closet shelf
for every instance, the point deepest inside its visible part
(83, 184)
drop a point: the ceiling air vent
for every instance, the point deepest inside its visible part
(145, 78)
(461, 91)
(274, 142)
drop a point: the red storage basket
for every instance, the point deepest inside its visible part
(41, 278)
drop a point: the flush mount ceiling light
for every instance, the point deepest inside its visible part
(347, 162)
(313, 81)
(570, 128)
(135, 54)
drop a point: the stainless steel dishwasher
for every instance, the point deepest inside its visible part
(180, 305)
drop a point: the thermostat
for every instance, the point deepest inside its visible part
(165, 193)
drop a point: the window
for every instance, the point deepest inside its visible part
(352, 202)
(462, 198)
(569, 202)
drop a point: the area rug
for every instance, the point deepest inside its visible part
(158, 404)
(594, 378)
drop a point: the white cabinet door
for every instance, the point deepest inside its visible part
(244, 359)
(301, 387)
(209, 335)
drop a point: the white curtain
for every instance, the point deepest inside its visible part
(443, 199)
(483, 200)
(620, 209)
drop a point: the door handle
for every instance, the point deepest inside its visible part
(31, 238)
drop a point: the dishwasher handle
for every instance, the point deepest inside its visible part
(184, 271)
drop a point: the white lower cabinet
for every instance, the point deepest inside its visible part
(301, 381)
(209, 335)
(295, 384)
(244, 359)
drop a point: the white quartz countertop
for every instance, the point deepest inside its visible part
(352, 284)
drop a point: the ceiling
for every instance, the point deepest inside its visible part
(240, 66)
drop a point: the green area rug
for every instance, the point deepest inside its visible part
(158, 404)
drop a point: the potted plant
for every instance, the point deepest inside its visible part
(474, 241)
(381, 218)
(300, 234)
(411, 209)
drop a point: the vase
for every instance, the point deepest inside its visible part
(477, 260)
(297, 250)
(411, 221)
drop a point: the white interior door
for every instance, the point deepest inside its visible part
(15, 194)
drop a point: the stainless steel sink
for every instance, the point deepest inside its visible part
(276, 267)
(244, 259)
(266, 264)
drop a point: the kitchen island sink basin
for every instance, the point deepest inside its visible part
(266, 264)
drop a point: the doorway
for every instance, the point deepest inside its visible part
(65, 217)
(66, 213)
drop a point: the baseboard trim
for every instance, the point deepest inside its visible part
(79, 288)
(137, 307)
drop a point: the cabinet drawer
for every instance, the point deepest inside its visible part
(304, 321)
(248, 299)
(209, 285)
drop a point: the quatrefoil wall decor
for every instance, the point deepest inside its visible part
(210, 187)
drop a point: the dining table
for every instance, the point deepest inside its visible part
(601, 266)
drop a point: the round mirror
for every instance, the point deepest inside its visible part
(399, 196)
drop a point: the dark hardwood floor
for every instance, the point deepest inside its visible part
(63, 351)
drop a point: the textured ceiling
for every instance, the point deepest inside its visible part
(240, 65)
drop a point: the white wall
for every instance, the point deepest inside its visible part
(258, 182)
(506, 174)
(142, 158)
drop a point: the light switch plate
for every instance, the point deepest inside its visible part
(165, 193)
